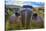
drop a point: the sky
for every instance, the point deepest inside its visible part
(25, 2)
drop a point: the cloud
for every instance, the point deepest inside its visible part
(25, 2)
(9, 2)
